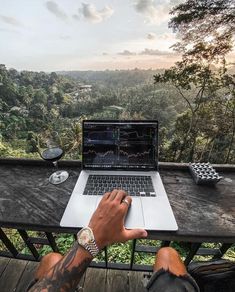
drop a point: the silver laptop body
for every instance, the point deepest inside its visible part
(121, 150)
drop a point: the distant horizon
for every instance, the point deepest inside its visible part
(85, 70)
(232, 63)
(100, 67)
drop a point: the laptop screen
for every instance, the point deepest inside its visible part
(129, 145)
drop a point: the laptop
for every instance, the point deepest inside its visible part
(121, 155)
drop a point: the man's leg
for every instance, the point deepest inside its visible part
(168, 258)
(170, 273)
(47, 262)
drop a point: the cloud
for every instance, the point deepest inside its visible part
(56, 10)
(126, 53)
(146, 52)
(154, 13)
(168, 36)
(64, 37)
(91, 14)
(9, 30)
(151, 36)
(76, 17)
(10, 20)
(156, 52)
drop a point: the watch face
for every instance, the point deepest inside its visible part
(85, 236)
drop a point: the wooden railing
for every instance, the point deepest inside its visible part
(41, 239)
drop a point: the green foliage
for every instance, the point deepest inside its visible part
(194, 104)
(206, 130)
(206, 29)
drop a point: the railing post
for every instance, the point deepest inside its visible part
(26, 240)
(52, 242)
(193, 251)
(106, 256)
(133, 253)
(165, 243)
(9, 245)
(223, 250)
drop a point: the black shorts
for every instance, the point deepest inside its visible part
(165, 281)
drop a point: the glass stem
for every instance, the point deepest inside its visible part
(55, 163)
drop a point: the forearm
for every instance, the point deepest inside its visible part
(66, 274)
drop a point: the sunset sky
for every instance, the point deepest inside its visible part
(86, 35)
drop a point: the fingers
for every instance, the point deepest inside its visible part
(120, 196)
(117, 195)
(135, 233)
(106, 196)
(113, 194)
(126, 203)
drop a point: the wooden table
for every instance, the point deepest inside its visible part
(203, 213)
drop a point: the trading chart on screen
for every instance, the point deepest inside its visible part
(120, 145)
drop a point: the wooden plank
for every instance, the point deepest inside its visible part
(117, 281)
(27, 276)
(3, 264)
(95, 280)
(81, 283)
(11, 275)
(136, 281)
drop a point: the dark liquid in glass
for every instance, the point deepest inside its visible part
(52, 154)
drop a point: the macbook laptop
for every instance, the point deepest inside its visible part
(121, 155)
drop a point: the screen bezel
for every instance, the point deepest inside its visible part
(155, 167)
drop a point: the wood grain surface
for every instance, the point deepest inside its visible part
(203, 213)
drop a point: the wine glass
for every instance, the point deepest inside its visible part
(53, 153)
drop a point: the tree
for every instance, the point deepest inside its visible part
(206, 28)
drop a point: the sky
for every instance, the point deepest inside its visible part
(57, 35)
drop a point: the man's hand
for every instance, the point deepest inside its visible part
(107, 223)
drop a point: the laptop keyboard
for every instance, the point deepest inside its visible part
(134, 185)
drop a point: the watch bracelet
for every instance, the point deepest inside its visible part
(93, 250)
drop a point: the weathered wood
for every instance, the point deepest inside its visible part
(95, 280)
(27, 276)
(15, 275)
(11, 275)
(117, 281)
(81, 282)
(3, 264)
(136, 281)
(203, 213)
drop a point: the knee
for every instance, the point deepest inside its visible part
(51, 259)
(47, 262)
(167, 253)
(169, 259)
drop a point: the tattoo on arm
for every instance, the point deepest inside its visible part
(63, 278)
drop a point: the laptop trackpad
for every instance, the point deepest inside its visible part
(79, 212)
(134, 218)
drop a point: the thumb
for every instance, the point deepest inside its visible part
(135, 233)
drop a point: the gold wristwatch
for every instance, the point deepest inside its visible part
(86, 239)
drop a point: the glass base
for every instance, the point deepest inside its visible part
(58, 177)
